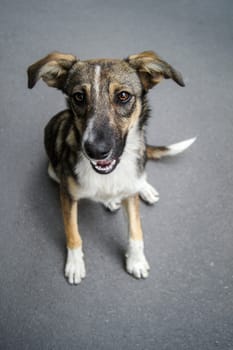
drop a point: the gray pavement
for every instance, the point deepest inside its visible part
(187, 301)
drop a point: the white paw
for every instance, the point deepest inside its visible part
(113, 205)
(149, 194)
(75, 266)
(136, 263)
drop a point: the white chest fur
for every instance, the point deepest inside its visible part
(122, 182)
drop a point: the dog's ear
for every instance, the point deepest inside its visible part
(152, 69)
(53, 69)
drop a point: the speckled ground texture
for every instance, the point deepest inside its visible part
(187, 301)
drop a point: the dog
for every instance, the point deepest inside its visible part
(97, 147)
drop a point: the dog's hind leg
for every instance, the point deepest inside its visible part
(136, 263)
(113, 205)
(148, 193)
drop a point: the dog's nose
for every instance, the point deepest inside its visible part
(97, 150)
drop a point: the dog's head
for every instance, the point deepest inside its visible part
(106, 97)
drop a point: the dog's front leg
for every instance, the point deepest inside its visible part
(136, 263)
(75, 267)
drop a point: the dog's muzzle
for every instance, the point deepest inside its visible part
(101, 156)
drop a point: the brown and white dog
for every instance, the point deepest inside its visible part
(97, 148)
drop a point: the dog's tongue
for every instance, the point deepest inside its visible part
(104, 163)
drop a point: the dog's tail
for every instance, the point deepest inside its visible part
(158, 152)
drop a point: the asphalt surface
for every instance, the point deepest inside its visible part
(187, 301)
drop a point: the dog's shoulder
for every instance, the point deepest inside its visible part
(61, 138)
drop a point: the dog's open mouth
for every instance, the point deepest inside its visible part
(104, 166)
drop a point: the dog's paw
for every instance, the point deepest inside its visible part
(112, 205)
(75, 267)
(149, 194)
(136, 263)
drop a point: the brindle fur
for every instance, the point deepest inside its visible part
(110, 123)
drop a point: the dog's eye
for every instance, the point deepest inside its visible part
(79, 97)
(123, 96)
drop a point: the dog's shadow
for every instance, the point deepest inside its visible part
(103, 232)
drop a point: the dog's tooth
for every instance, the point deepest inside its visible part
(104, 169)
